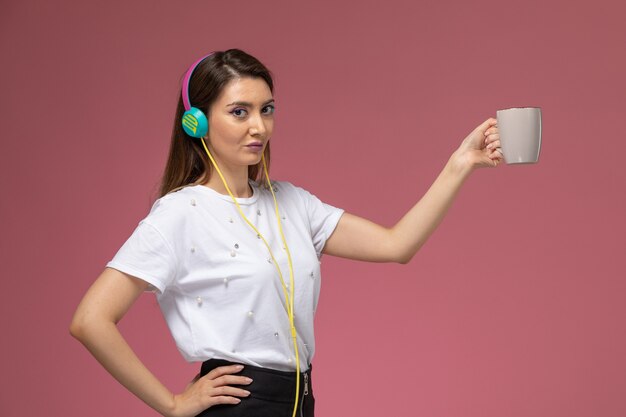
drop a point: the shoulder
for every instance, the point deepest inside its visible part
(280, 185)
(172, 209)
(174, 201)
(285, 191)
(296, 196)
(286, 187)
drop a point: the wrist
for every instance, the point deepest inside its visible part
(459, 165)
(169, 409)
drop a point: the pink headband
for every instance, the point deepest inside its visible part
(186, 81)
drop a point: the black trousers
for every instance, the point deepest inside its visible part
(272, 393)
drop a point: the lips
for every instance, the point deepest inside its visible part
(256, 147)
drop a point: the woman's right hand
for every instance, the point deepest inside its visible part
(212, 389)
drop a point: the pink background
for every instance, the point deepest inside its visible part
(516, 305)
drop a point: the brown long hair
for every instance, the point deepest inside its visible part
(188, 162)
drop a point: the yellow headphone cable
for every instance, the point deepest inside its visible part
(289, 295)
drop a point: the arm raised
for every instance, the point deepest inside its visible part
(360, 239)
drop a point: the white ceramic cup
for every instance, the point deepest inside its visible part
(520, 134)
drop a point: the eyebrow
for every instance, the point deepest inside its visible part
(247, 104)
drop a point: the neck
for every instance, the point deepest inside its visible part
(236, 177)
(237, 183)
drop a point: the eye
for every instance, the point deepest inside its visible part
(269, 109)
(239, 112)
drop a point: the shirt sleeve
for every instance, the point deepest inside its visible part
(147, 255)
(323, 219)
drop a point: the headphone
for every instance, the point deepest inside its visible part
(196, 125)
(194, 121)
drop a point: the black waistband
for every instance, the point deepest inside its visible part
(268, 384)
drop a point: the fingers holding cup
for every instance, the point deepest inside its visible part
(493, 142)
(492, 134)
(496, 156)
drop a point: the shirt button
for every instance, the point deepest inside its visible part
(233, 253)
(230, 220)
(276, 334)
(236, 245)
(269, 260)
(193, 202)
(312, 274)
(193, 250)
(250, 313)
(226, 281)
(199, 301)
(258, 212)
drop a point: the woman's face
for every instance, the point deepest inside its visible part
(241, 121)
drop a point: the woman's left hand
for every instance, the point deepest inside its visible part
(481, 148)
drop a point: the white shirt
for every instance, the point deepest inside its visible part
(218, 290)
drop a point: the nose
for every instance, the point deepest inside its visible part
(257, 126)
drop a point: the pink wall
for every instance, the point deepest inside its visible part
(516, 305)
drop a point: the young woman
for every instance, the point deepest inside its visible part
(234, 257)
